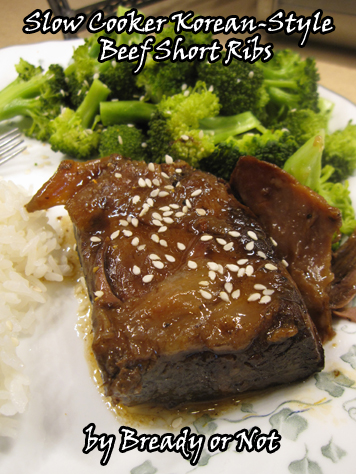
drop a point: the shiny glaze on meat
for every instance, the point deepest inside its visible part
(302, 224)
(189, 300)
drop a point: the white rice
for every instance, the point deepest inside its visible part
(30, 254)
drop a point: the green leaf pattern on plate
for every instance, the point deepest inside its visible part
(333, 452)
(333, 382)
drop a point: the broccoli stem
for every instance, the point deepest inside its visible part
(305, 163)
(98, 92)
(126, 111)
(224, 127)
(18, 107)
(21, 90)
(281, 83)
(281, 97)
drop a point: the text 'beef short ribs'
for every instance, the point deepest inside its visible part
(189, 301)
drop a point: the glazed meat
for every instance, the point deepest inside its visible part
(302, 224)
(189, 300)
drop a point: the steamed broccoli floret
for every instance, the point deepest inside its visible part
(35, 94)
(71, 131)
(340, 152)
(85, 67)
(291, 83)
(124, 140)
(167, 78)
(175, 129)
(239, 86)
(272, 146)
(305, 123)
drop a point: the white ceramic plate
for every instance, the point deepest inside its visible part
(316, 419)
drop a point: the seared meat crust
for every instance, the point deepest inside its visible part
(189, 301)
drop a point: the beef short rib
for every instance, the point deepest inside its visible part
(189, 300)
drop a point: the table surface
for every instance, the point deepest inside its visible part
(337, 66)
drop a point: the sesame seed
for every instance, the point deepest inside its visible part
(188, 203)
(201, 134)
(196, 192)
(258, 286)
(236, 294)
(148, 182)
(163, 194)
(162, 229)
(265, 299)
(228, 287)
(95, 239)
(149, 202)
(254, 297)
(136, 199)
(184, 87)
(212, 275)
(241, 272)
(180, 246)
(118, 175)
(144, 145)
(154, 193)
(141, 247)
(135, 241)
(136, 270)
(155, 238)
(206, 237)
(251, 74)
(158, 264)
(184, 137)
(221, 241)
(155, 215)
(165, 175)
(228, 246)
(114, 235)
(201, 212)
(169, 186)
(232, 267)
(127, 233)
(213, 266)
(192, 265)
(168, 159)
(147, 278)
(174, 206)
(151, 166)
(129, 219)
(269, 266)
(285, 263)
(156, 181)
(249, 270)
(170, 258)
(185, 209)
(220, 269)
(186, 93)
(134, 221)
(273, 242)
(168, 220)
(163, 243)
(99, 293)
(262, 254)
(250, 246)
(144, 211)
(234, 233)
(178, 170)
(153, 256)
(156, 222)
(142, 183)
(120, 139)
(268, 292)
(205, 294)
(242, 261)
(252, 234)
(204, 283)
(167, 213)
(224, 296)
